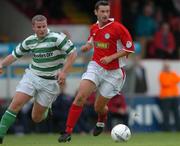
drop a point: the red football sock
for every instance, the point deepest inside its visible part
(73, 116)
(102, 117)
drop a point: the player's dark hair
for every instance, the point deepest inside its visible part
(101, 3)
(38, 18)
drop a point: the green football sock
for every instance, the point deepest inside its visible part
(46, 114)
(7, 120)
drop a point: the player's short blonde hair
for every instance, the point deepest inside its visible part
(38, 18)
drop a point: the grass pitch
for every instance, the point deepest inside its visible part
(137, 139)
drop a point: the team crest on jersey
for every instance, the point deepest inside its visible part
(128, 44)
(107, 36)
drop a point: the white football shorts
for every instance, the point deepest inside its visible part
(108, 82)
(44, 91)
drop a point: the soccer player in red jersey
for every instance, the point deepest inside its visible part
(112, 44)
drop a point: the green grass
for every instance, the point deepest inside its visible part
(137, 139)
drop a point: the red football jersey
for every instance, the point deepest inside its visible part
(108, 40)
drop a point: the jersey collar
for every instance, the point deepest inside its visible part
(111, 20)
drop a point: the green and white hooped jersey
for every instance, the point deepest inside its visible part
(48, 53)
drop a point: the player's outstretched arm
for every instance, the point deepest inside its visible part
(108, 59)
(7, 61)
(68, 64)
(86, 47)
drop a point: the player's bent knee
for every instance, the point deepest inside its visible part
(80, 100)
(99, 109)
(37, 119)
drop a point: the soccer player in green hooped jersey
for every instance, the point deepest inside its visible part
(47, 71)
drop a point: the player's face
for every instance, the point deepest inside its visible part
(40, 28)
(103, 13)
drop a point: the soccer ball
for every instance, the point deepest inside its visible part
(120, 133)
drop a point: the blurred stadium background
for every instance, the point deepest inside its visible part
(73, 17)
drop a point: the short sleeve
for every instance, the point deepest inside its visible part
(65, 44)
(20, 50)
(125, 38)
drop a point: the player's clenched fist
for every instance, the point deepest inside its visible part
(86, 47)
(61, 78)
(106, 60)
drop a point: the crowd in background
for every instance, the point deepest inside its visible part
(155, 25)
